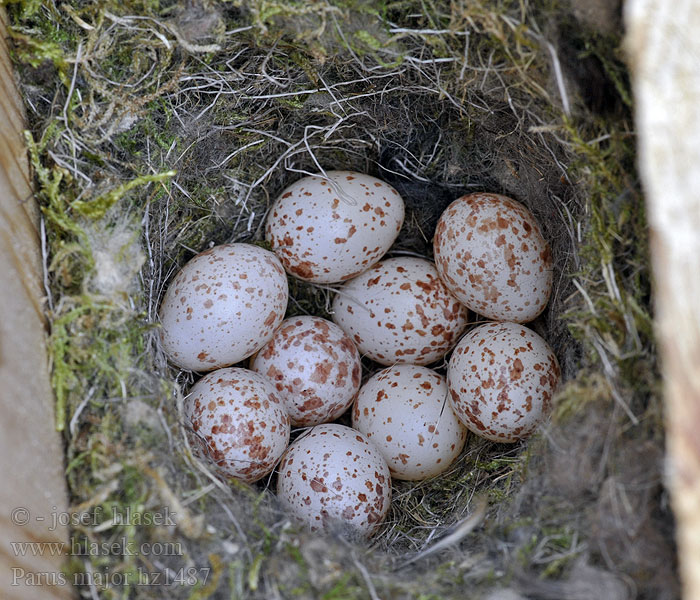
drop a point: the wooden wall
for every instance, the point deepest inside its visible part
(32, 483)
(663, 45)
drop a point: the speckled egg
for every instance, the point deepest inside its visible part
(404, 410)
(400, 312)
(314, 366)
(332, 477)
(501, 379)
(223, 306)
(238, 422)
(329, 230)
(490, 253)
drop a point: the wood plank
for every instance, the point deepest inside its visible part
(31, 451)
(664, 50)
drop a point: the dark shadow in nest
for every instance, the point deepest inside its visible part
(589, 59)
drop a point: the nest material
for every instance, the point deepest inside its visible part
(158, 130)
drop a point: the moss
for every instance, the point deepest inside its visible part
(98, 207)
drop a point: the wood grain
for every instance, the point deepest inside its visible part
(31, 452)
(664, 50)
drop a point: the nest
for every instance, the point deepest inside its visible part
(157, 130)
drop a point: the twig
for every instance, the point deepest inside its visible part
(458, 533)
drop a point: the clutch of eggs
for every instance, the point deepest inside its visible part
(222, 306)
(227, 304)
(331, 229)
(491, 254)
(501, 378)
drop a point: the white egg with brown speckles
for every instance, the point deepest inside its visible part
(238, 422)
(400, 312)
(491, 254)
(223, 306)
(315, 368)
(332, 477)
(404, 410)
(330, 230)
(501, 378)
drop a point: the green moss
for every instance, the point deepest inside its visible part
(615, 250)
(97, 208)
(340, 590)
